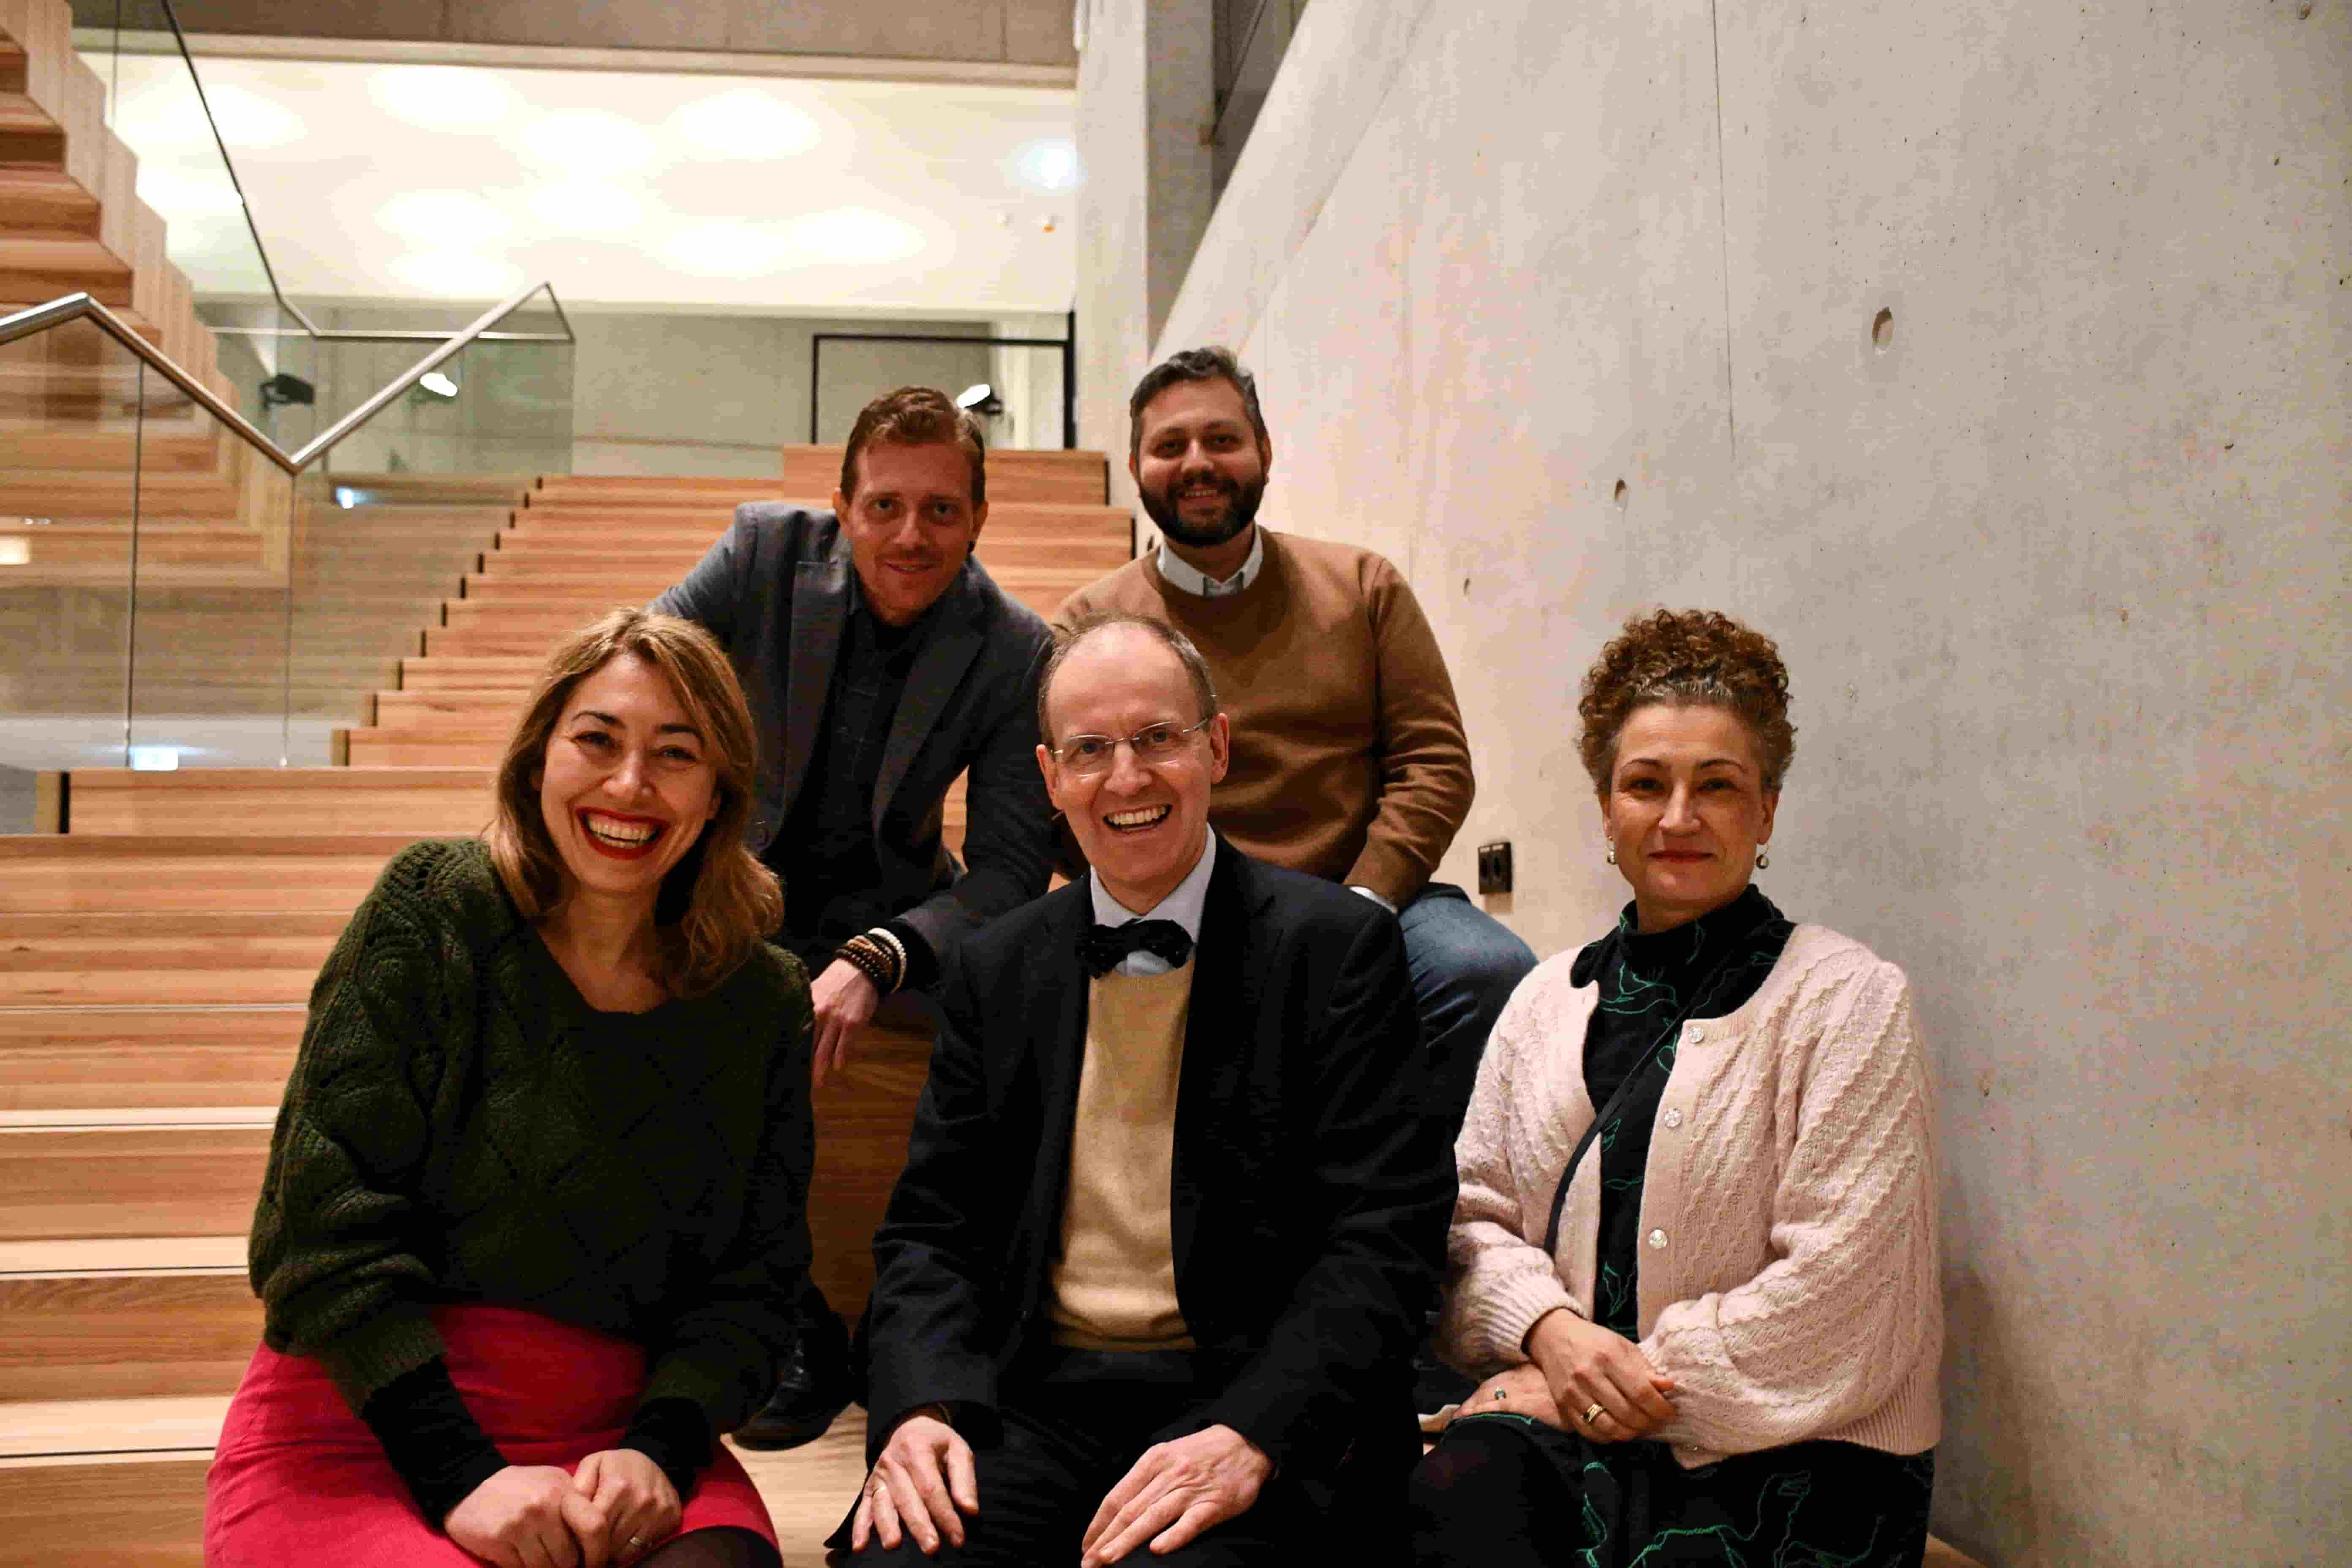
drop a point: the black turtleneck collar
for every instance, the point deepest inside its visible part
(1675, 951)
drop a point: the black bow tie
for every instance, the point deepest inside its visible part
(1105, 947)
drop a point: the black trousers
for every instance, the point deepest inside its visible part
(1073, 1424)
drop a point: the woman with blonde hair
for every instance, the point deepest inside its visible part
(1694, 1252)
(535, 1217)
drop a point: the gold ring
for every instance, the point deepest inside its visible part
(1592, 1413)
(638, 1542)
(1498, 1394)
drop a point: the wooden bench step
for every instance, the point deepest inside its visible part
(43, 198)
(171, 871)
(58, 1184)
(125, 1334)
(92, 1061)
(450, 672)
(815, 471)
(179, 958)
(453, 802)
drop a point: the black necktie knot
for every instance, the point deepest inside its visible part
(1105, 947)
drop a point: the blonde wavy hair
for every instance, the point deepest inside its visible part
(715, 903)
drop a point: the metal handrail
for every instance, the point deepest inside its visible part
(74, 306)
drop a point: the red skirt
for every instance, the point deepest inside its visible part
(299, 1480)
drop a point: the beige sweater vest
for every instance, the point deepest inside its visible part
(1789, 1273)
(1114, 1286)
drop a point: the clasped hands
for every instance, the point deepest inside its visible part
(923, 1486)
(536, 1516)
(1572, 1366)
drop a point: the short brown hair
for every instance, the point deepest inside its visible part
(1067, 639)
(1688, 658)
(1214, 362)
(717, 901)
(915, 416)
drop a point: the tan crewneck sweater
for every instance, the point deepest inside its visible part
(1114, 1286)
(1348, 758)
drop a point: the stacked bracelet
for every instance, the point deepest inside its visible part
(884, 965)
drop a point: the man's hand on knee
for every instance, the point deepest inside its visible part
(1175, 1491)
(923, 1486)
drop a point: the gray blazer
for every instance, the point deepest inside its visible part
(775, 592)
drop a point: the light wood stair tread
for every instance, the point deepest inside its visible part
(130, 1255)
(72, 1427)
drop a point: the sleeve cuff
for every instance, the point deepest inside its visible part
(1379, 897)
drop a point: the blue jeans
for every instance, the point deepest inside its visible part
(1465, 964)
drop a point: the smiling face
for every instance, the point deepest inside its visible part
(1197, 463)
(1142, 826)
(910, 525)
(625, 785)
(1685, 810)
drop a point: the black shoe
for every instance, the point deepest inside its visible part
(810, 1390)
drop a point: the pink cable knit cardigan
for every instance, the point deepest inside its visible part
(1788, 1276)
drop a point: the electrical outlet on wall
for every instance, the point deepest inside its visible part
(1494, 866)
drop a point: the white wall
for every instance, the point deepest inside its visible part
(2061, 576)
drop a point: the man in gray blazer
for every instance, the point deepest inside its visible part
(880, 661)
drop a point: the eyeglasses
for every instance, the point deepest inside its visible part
(1088, 754)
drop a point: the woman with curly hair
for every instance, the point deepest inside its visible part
(1694, 1256)
(534, 1219)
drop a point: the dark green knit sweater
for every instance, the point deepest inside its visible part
(461, 1126)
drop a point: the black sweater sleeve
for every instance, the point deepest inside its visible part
(432, 1440)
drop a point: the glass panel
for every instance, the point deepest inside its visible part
(69, 405)
(208, 639)
(399, 516)
(1020, 387)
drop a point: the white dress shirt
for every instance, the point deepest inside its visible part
(1182, 574)
(1182, 906)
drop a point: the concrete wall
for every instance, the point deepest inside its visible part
(2059, 569)
(1147, 102)
(1009, 32)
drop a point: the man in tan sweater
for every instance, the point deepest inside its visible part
(1348, 760)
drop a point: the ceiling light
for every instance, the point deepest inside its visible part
(747, 123)
(454, 274)
(586, 206)
(1048, 165)
(443, 98)
(438, 384)
(591, 141)
(450, 217)
(852, 236)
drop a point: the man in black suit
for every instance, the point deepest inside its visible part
(1173, 1209)
(880, 661)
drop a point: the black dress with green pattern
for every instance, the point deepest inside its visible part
(1632, 1505)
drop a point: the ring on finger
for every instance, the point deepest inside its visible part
(1593, 1413)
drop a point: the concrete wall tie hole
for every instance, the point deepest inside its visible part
(1619, 495)
(1882, 331)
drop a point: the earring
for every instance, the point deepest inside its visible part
(1763, 857)
(1609, 855)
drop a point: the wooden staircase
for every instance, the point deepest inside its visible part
(155, 961)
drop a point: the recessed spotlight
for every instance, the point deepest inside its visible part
(590, 140)
(1051, 165)
(745, 123)
(443, 98)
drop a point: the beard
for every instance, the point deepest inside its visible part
(1241, 511)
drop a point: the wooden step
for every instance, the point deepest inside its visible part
(28, 136)
(180, 958)
(455, 803)
(12, 65)
(124, 1333)
(521, 549)
(474, 711)
(815, 471)
(146, 1509)
(678, 523)
(130, 1178)
(83, 1061)
(450, 672)
(433, 746)
(55, 265)
(135, 872)
(43, 198)
(159, 545)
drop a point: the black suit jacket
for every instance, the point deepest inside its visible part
(1311, 1191)
(775, 592)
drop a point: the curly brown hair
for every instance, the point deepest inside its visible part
(718, 900)
(1687, 658)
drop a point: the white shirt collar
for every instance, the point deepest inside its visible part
(1183, 905)
(1200, 585)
